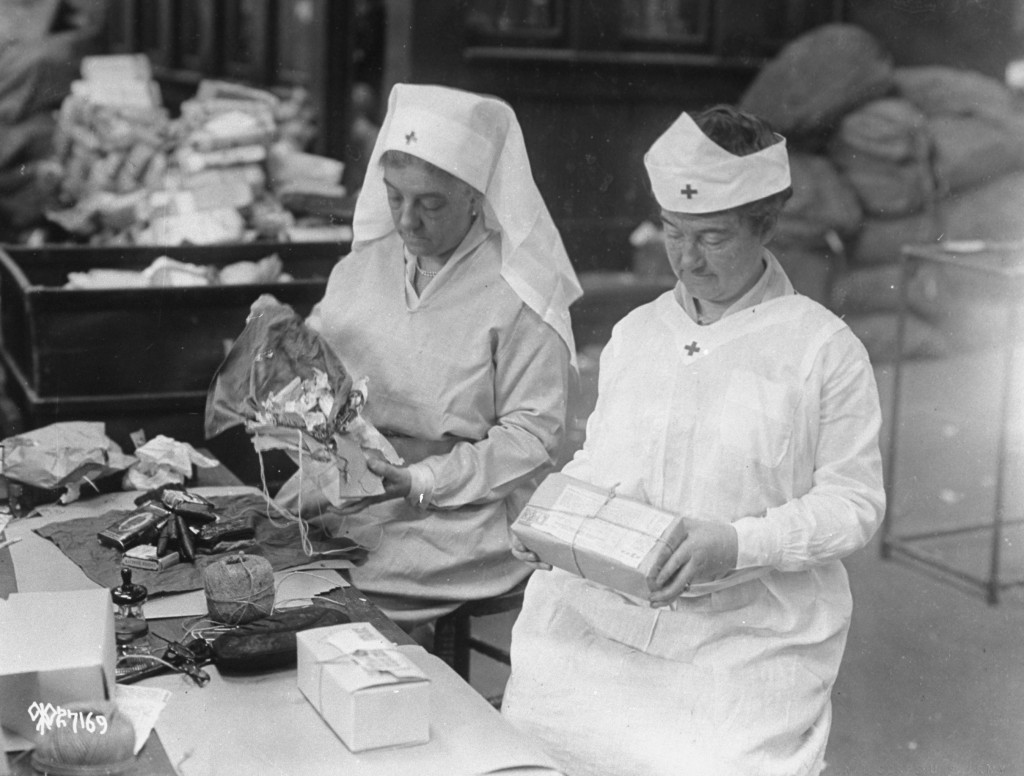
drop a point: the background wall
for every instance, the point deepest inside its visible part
(591, 102)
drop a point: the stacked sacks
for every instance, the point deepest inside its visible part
(976, 160)
(805, 93)
(976, 157)
(884, 150)
(927, 153)
(819, 218)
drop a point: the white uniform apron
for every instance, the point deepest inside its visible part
(466, 378)
(717, 423)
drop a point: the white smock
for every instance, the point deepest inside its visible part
(768, 419)
(469, 380)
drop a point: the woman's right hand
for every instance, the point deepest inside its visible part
(527, 556)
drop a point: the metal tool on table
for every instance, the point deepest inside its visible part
(186, 658)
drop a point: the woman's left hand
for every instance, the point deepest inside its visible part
(698, 550)
(397, 480)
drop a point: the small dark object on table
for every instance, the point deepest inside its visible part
(269, 643)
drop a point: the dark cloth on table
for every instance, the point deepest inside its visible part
(278, 541)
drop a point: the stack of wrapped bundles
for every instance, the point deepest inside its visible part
(229, 169)
(41, 47)
(111, 146)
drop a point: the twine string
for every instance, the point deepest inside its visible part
(612, 493)
(272, 505)
(238, 607)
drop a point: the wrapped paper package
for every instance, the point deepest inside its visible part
(594, 533)
(369, 692)
(63, 457)
(292, 393)
(599, 535)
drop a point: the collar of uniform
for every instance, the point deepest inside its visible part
(772, 283)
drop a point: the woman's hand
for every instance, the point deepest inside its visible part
(697, 551)
(397, 480)
(527, 556)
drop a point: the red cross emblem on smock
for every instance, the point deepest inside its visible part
(692, 348)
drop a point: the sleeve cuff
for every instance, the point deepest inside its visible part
(422, 489)
(757, 543)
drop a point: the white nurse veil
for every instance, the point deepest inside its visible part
(477, 139)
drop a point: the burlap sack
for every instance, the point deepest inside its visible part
(880, 240)
(822, 200)
(889, 129)
(938, 90)
(971, 151)
(819, 78)
(989, 212)
(891, 189)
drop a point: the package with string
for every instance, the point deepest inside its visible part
(598, 535)
(292, 393)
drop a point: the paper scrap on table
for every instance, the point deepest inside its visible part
(164, 461)
(142, 707)
(289, 586)
(63, 456)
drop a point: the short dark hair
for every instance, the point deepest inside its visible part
(741, 134)
(399, 160)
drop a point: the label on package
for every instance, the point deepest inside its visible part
(618, 529)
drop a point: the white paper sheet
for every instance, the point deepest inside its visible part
(142, 707)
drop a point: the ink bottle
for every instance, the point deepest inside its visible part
(130, 626)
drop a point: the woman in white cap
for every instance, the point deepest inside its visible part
(753, 412)
(454, 302)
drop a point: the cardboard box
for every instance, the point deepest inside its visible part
(370, 693)
(589, 531)
(125, 344)
(57, 648)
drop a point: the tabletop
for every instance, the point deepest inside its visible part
(235, 724)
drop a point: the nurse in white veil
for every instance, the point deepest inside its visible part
(454, 302)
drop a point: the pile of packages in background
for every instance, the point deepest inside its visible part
(230, 168)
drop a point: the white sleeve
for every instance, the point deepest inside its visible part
(846, 501)
(531, 383)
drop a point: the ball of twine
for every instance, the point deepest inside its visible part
(90, 746)
(239, 589)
